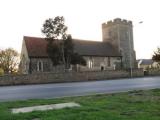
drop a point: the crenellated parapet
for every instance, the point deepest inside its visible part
(117, 21)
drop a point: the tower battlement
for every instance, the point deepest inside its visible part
(117, 21)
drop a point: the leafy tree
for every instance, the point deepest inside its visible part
(53, 50)
(55, 29)
(68, 50)
(60, 47)
(156, 56)
(70, 56)
(9, 60)
(78, 59)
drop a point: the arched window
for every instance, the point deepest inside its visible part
(90, 63)
(40, 66)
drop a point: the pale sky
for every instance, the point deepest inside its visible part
(20, 18)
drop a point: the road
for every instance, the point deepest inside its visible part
(42, 91)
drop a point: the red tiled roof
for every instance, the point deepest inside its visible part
(36, 47)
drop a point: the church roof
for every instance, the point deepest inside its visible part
(36, 47)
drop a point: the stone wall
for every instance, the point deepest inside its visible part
(39, 78)
(46, 67)
(108, 63)
(153, 72)
(24, 62)
(97, 63)
(138, 73)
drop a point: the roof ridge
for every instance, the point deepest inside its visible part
(85, 40)
(75, 39)
(33, 37)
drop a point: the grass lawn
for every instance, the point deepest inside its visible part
(133, 105)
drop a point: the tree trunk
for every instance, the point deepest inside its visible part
(63, 57)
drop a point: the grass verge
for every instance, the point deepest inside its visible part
(132, 105)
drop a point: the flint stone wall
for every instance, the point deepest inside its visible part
(41, 78)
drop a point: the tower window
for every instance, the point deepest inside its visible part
(109, 33)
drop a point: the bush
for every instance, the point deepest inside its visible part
(1, 72)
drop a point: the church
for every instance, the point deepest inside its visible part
(115, 51)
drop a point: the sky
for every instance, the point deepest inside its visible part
(20, 18)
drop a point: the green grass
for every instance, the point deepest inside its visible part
(133, 105)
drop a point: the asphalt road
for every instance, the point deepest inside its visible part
(42, 91)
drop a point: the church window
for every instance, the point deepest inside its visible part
(90, 63)
(40, 66)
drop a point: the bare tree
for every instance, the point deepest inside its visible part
(9, 60)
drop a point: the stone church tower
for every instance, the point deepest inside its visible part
(120, 34)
